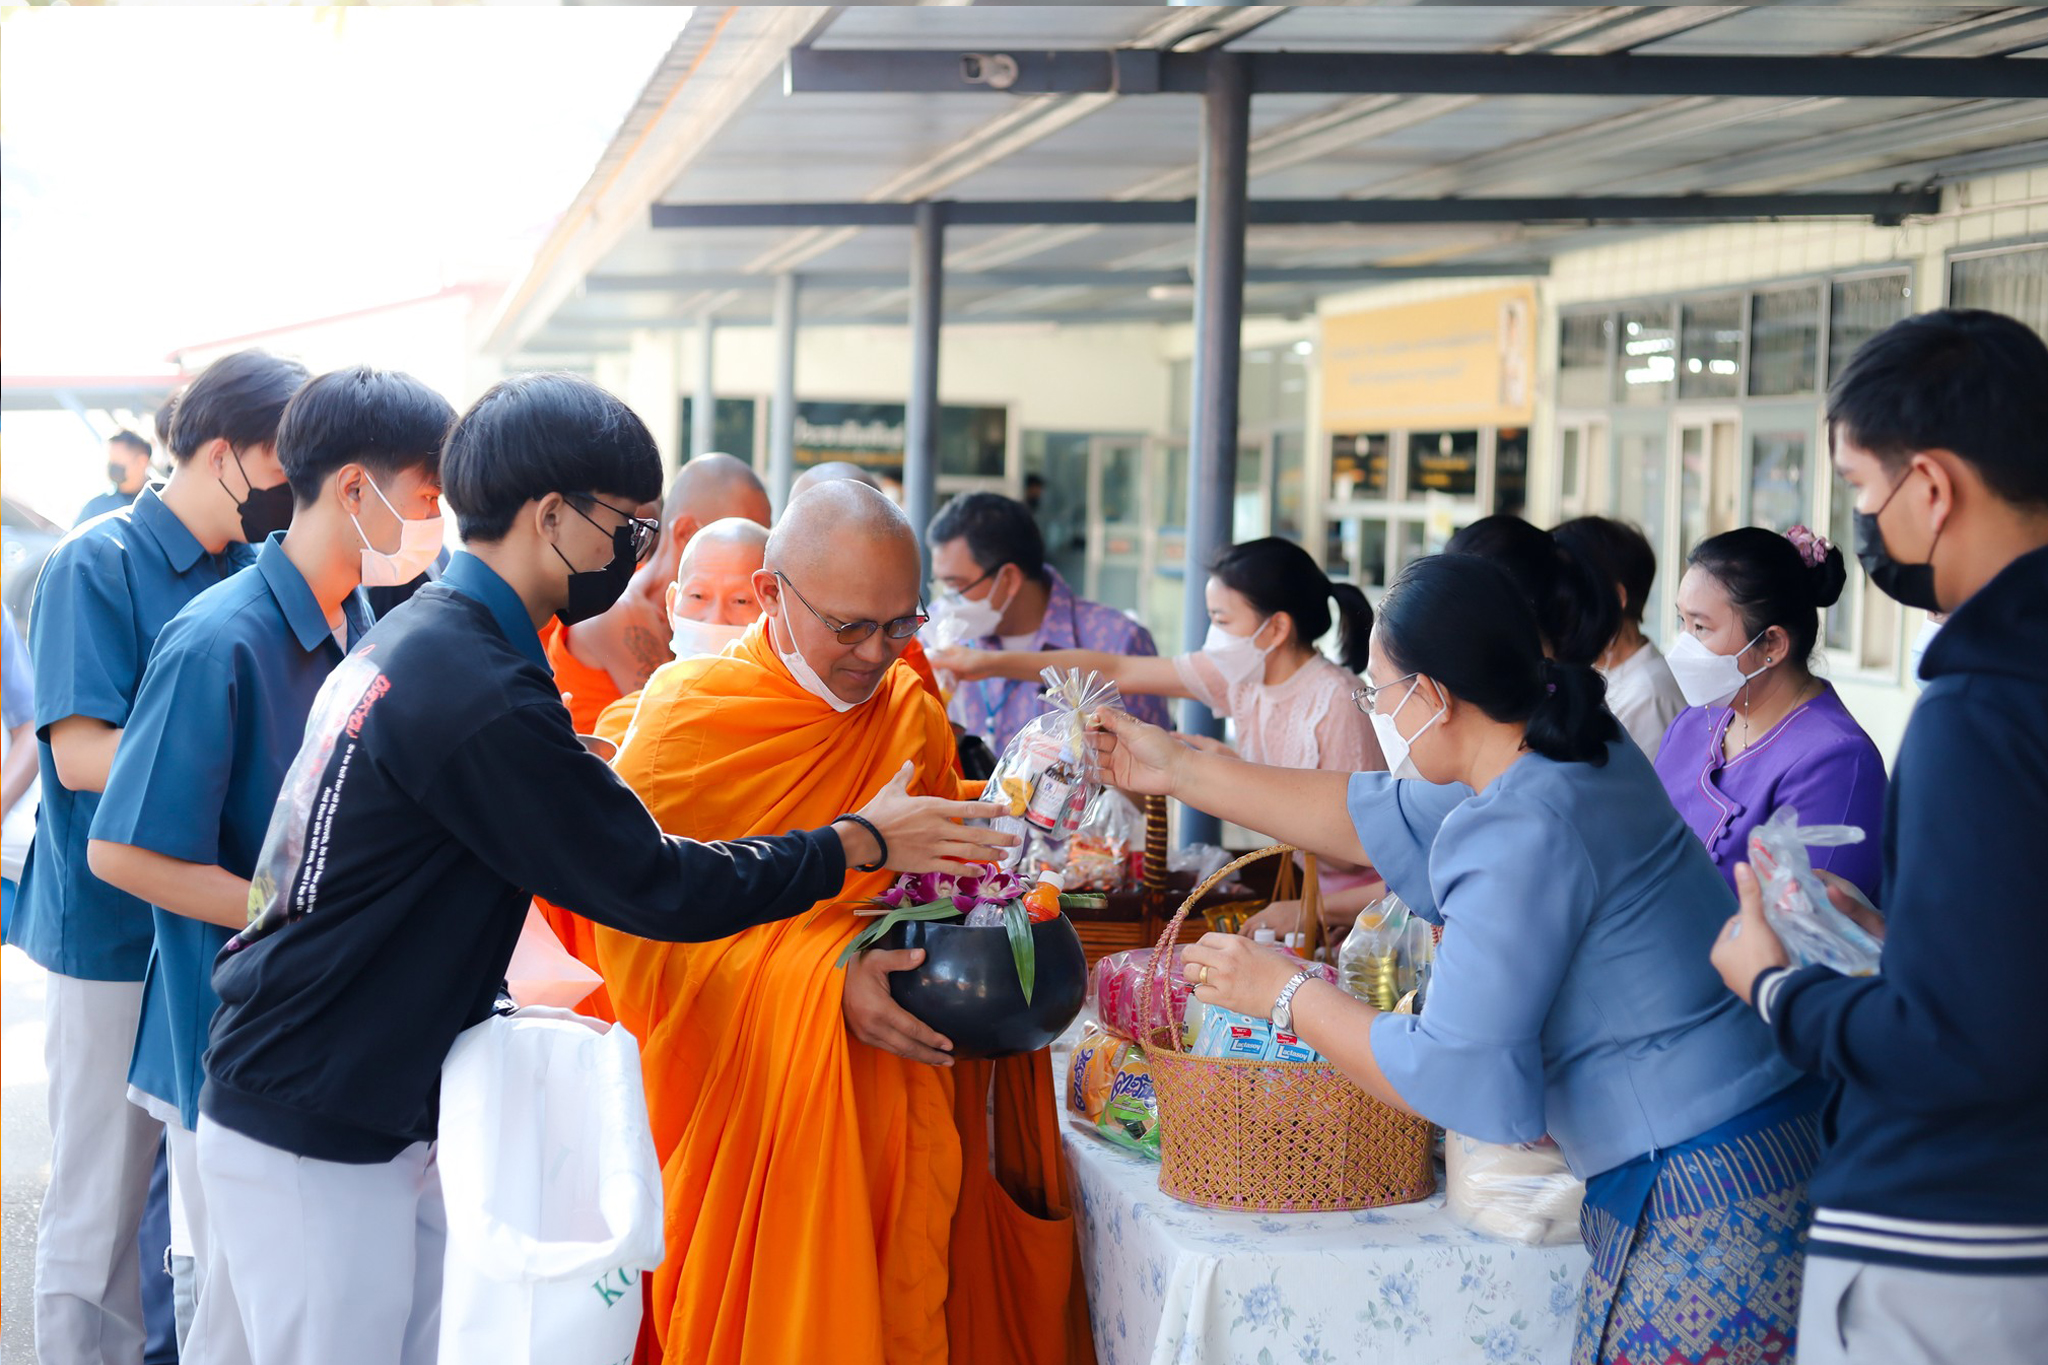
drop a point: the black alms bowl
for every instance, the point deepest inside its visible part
(967, 989)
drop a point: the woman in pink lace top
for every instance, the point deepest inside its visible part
(1269, 603)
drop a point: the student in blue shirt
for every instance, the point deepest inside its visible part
(219, 718)
(18, 772)
(106, 592)
(1568, 996)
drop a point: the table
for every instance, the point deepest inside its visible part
(1173, 1284)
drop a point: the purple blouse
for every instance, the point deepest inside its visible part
(1816, 760)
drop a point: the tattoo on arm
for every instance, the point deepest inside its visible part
(646, 651)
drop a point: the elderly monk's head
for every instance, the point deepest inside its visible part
(710, 488)
(830, 472)
(841, 576)
(712, 601)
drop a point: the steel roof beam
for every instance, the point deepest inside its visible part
(1059, 279)
(919, 71)
(1885, 208)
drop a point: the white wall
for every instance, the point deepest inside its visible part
(1110, 378)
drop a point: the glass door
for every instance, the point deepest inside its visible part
(1709, 478)
(1119, 548)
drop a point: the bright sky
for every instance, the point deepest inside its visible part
(180, 174)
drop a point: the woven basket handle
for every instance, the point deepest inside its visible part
(1157, 1016)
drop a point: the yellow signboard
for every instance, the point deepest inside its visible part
(1466, 361)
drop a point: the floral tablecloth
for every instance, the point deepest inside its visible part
(1172, 1284)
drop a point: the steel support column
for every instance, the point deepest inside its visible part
(704, 403)
(1219, 319)
(782, 406)
(921, 412)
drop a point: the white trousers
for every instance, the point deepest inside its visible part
(331, 1262)
(1851, 1313)
(216, 1336)
(102, 1150)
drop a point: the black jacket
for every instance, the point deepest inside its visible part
(1939, 1123)
(440, 787)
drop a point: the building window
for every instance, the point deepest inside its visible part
(1860, 308)
(2008, 280)
(1784, 342)
(1443, 462)
(1649, 358)
(1780, 479)
(1710, 339)
(1360, 468)
(1584, 345)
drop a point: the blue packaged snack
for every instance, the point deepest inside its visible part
(1244, 1037)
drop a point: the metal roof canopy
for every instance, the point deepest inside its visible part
(910, 71)
(1887, 209)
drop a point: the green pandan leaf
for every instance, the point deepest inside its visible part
(1082, 900)
(873, 934)
(1023, 949)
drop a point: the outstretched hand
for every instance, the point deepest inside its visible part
(923, 832)
(1137, 757)
(963, 662)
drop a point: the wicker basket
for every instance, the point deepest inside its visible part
(1279, 1137)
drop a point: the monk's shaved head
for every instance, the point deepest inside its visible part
(727, 539)
(713, 487)
(851, 555)
(830, 472)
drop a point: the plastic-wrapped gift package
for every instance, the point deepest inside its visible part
(1106, 851)
(1119, 987)
(1047, 774)
(1518, 1192)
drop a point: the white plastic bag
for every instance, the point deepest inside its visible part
(1796, 900)
(1521, 1192)
(543, 972)
(552, 1190)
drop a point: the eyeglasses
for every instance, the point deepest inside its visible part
(852, 633)
(966, 588)
(1364, 697)
(643, 531)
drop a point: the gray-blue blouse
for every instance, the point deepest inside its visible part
(1572, 993)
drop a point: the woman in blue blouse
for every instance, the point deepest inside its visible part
(1571, 994)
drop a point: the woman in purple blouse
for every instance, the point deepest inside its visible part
(1759, 730)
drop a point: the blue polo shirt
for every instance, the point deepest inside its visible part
(219, 718)
(109, 588)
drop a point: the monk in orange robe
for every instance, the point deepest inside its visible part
(830, 1188)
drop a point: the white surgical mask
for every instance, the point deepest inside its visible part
(1236, 657)
(807, 677)
(418, 542)
(1929, 628)
(688, 638)
(1400, 762)
(1704, 677)
(959, 619)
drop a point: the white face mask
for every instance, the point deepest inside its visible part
(807, 677)
(688, 638)
(1928, 630)
(957, 619)
(1707, 678)
(1237, 657)
(419, 541)
(1400, 762)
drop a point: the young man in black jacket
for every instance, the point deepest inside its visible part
(1930, 1230)
(439, 788)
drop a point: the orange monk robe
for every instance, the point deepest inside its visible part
(579, 935)
(586, 691)
(818, 1206)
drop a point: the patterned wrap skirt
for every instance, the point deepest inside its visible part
(1699, 1250)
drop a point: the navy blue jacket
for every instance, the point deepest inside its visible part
(1938, 1127)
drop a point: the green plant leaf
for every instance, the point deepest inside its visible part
(874, 933)
(1023, 950)
(1082, 900)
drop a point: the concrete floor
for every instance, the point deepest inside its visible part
(24, 1149)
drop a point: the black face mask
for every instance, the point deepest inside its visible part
(263, 510)
(1910, 585)
(117, 473)
(593, 592)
